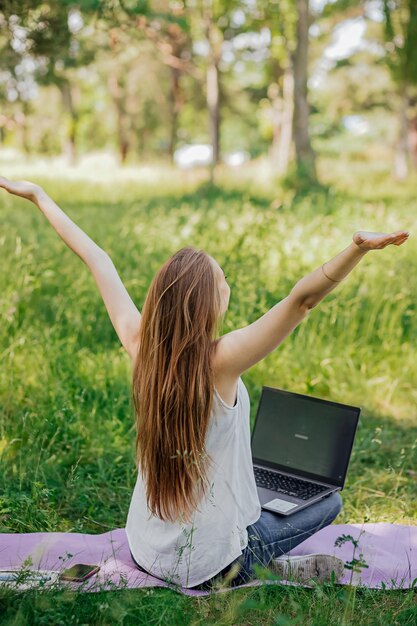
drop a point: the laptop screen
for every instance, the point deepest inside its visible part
(307, 436)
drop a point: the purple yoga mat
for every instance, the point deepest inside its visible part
(389, 550)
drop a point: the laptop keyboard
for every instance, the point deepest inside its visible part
(287, 484)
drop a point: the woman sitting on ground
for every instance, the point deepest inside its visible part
(195, 517)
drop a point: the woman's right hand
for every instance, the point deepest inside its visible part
(23, 188)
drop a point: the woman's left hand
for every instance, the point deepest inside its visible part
(375, 241)
(22, 188)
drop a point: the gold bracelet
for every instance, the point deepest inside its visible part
(332, 279)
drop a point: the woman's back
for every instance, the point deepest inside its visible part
(189, 554)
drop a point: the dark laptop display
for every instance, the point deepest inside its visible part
(306, 436)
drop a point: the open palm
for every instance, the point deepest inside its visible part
(22, 188)
(375, 241)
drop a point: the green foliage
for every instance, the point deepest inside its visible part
(401, 36)
(135, 44)
(356, 564)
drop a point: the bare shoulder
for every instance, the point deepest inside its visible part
(240, 349)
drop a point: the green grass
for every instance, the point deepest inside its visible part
(66, 422)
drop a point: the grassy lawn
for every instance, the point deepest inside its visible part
(66, 421)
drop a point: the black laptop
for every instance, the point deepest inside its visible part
(301, 447)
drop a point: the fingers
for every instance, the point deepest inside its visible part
(399, 237)
(403, 234)
(397, 240)
(400, 232)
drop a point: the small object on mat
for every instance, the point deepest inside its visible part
(303, 568)
(21, 579)
(79, 572)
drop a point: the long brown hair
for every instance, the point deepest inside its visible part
(173, 382)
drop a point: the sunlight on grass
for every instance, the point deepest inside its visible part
(67, 429)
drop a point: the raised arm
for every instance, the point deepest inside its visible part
(122, 311)
(311, 289)
(240, 349)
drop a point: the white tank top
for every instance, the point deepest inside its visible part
(189, 554)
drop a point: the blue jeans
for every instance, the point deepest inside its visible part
(274, 535)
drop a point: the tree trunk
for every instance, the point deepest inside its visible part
(72, 124)
(117, 95)
(214, 38)
(412, 137)
(305, 156)
(284, 149)
(412, 141)
(401, 149)
(282, 124)
(213, 108)
(21, 118)
(175, 97)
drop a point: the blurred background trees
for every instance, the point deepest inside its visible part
(205, 81)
